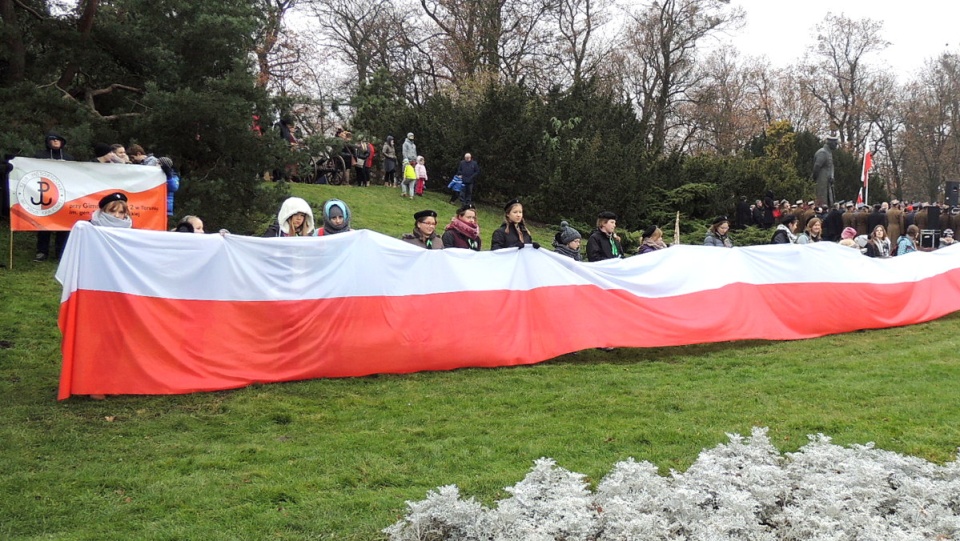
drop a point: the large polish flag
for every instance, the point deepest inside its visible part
(147, 312)
(52, 195)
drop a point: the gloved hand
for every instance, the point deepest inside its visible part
(520, 246)
(536, 246)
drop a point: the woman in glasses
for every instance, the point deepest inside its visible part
(425, 231)
(295, 219)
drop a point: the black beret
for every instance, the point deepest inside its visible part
(184, 227)
(649, 231)
(788, 219)
(506, 208)
(115, 196)
(719, 220)
(101, 149)
(420, 216)
(607, 215)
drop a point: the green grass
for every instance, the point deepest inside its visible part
(336, 459)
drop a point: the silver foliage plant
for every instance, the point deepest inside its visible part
(741, 490)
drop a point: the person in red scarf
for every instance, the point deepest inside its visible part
(463, 231)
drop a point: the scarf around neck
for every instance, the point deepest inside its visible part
(102, 219)
(468, 229)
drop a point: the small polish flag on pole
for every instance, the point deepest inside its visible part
(865, 175)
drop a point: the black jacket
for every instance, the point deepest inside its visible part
(599, 247)
(51, 154)
(504, 238)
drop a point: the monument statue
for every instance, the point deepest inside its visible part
(823, 171)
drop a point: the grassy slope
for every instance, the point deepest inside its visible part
(335, 459)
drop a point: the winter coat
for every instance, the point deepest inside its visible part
(409, 150)
(51, 154)
(508, 238)
(712, 239)
(468, 171)
(456, 239)
(291, 206)
(601, 246)
(436, 242)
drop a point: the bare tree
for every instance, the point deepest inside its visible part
(268, 36)
(931, 138)
(722, 107)
(361, 31)
(660, 58)
(578, 47)
(838, 76)
(887, 118)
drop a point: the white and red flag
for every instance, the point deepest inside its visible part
(52, 195)
(150, 312)
(865, 176)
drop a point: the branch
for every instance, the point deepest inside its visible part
(36, 14)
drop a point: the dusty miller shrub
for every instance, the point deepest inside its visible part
(742, 490)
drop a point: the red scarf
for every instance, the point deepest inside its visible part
(469, 230)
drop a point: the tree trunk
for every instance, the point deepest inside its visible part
(84, 26)
(16, 53)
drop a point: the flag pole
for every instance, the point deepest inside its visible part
(865, 172)
(676, 230)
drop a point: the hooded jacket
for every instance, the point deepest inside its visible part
(49, 153)
(291, 206)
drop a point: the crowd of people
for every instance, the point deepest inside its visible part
(883, 229)
(55, 149)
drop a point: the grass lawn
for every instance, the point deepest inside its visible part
(337, 458)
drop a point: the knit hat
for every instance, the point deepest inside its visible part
(165, 161)
(567, 234)
(115, 196)
(410, 135)
(848, 233)
(101, 149)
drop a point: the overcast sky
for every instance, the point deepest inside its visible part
(918, 29)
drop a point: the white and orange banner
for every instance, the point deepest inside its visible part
(146, 312)
(52, 195)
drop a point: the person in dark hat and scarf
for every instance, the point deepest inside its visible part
(424, 231)
(513, 233)
(113, 212)
(336, 217)
(604, 243)
(717, 233)
(567, 242)
(652, 240)
(463, 230)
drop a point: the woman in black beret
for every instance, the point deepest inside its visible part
(513, 233)
(604, 243)
(652, 240)
(717, 233)
(113, 212)
(463, 230)
(425, 231)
